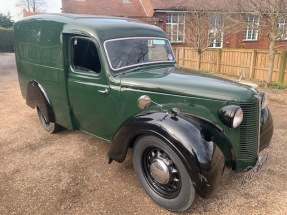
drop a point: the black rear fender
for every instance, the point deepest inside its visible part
(37, 97)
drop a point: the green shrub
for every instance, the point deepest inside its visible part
(6, 40)
(278, 86)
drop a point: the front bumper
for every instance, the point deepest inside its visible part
(262, 159)
(266, 129)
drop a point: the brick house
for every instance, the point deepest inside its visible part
(170, 15)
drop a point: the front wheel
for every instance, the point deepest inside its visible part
(50, 127)
(162, 174)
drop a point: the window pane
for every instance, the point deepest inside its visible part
(168, 18)
(181, 19)
(251, 33)
(85, 56)
(282, 29)
(129, 52)
(175, 27)
(175, 19)
(215, 27)
(168, 30)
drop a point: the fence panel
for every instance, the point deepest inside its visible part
(249, 63)
(236, 62)
(209, 60)
(262, 66)
(186, 57)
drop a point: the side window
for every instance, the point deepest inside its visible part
(85, 55)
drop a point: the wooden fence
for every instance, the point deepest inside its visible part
(252, 64)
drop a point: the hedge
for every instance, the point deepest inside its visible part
(6, 40)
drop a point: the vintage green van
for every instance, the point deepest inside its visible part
(117, 79)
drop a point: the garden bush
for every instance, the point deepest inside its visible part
(6, 40)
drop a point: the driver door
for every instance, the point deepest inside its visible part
(88, 89)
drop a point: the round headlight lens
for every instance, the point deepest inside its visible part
(238, 117)
(231, 115)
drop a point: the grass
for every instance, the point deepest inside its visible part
(275, 85)
(5, 28)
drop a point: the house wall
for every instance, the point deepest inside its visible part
(147, 7)
(25, 14)
(144, 11)
(236, 41)
(150, 20)
(231, 41)
(161, 20)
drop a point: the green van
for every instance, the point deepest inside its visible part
(117, 79)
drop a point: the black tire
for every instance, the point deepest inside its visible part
(172, 188)
(50, 127)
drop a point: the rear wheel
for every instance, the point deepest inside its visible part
(162, 174)
(50, 127)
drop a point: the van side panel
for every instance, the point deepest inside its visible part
(39, 57)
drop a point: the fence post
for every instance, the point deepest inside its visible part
(177, 55)
(183, 56)
(282, 66)
(252, 64)
(218, 60)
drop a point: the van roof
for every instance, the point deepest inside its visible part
(101, 27)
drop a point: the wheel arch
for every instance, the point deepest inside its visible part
(192, 138)
(37, 97)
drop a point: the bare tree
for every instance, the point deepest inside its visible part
(36, 6)
(272, 16)
(208, 23)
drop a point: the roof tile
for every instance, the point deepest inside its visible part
(104, 7)
(137, 8)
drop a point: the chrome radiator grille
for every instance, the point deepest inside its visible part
(249, 130)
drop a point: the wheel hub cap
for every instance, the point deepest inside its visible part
(159, 171)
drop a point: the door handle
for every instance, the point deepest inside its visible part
(106, 91)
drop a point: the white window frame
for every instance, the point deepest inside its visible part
(251, 33)
(216, 41)
(283, 24)
(173, 23)
(215, 23)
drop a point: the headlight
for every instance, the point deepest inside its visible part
(263, 100)
(231, 115)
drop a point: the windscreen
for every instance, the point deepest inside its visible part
(128, 52)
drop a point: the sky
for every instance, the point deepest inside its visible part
(53, 6)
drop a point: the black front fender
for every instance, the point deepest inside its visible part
(193, 139)
(266, 129)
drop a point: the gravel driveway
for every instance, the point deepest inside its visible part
(67, 172)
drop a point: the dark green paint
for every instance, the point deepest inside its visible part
(43, 54)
